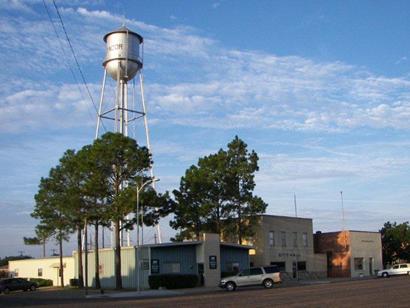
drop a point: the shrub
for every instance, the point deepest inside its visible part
(42, 282)
(173, 281)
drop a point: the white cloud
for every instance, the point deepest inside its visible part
(211, 86)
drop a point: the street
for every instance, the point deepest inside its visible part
(392, 292)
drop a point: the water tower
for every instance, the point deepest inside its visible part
(123, 62)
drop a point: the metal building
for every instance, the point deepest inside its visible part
(207, 258)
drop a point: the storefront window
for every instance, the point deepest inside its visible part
(358, 264)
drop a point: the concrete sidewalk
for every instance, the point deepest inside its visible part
(153, 293)
(136, 294)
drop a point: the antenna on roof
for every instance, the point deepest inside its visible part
(343, 218)
(343, 211)
(296, 207)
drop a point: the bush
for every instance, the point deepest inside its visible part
(173, 281)
(42, 282)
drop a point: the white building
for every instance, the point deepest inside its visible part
(46, 268)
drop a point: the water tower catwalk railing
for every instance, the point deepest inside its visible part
(123, 62)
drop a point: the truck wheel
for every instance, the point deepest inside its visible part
(230, 286)
(268, 283)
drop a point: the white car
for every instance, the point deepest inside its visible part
(398, 269)
(265, 276)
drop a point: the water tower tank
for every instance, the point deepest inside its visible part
(123, 48)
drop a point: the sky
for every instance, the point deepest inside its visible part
(319, 89)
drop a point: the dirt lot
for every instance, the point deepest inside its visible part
(392, 292)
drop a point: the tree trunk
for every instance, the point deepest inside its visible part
(97, 262)
(61, 271)
(218, 221)
(44, 248)
(86, 256)
(239, 226)
(118, 280)
(80, 258)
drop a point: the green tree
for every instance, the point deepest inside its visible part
(243, 206)
(217, 195)
(395, 242)
(122, 162)
(190, 216)
(73, 178)
(41, 238)
(49, 209)
(93, 193)
(152, 206)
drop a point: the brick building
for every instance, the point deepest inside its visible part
(350, 253)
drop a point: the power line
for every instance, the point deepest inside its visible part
(62, 47)
(75, 57)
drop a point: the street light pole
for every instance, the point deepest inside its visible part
(139, 189)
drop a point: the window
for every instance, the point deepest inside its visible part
(295, 239)
(302, 266)
(40, 272)
(280, 265)
(246, 272)
(358, 264)
(271, 238)
(256, 271)
(305, 239)
(271, 269)
(155, 266)
(395, 267)
(403, 266)
(283, 238)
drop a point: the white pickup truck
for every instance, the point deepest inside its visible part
(265, 276)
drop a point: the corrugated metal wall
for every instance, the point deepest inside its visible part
(184, 255)
(231, 255)
(128, 268)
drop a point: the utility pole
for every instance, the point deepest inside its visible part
(343, 211)
(343, 218)
(296, 208)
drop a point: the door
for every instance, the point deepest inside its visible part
(404, 269)
(256, 276)
(243, 277)
(329, 260)
(371, 266)
(201, 273)
(294, 270)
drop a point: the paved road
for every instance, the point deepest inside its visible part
(393, 292)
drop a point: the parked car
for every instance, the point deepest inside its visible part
(398, 269)
(13, 284)
(265, 276)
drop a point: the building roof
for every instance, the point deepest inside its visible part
(334, 232)
(174, 244)
(286, 217)
(234, 245)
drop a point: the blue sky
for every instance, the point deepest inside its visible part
(319, 89)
